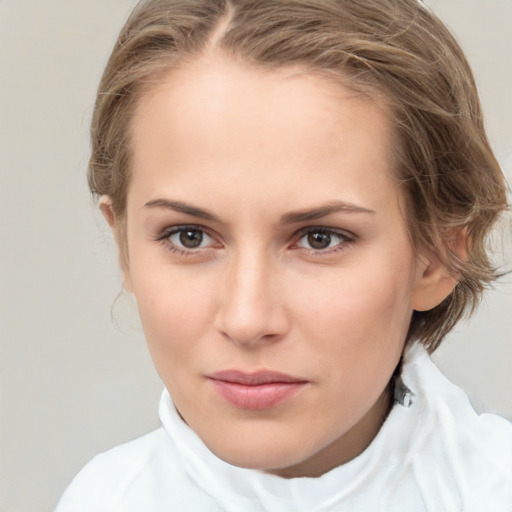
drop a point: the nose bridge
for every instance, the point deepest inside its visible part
(250, 309)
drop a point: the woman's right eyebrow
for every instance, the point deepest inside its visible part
(181, 207)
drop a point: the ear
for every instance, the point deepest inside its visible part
(106, 210)
(113, 222)
(434, 282)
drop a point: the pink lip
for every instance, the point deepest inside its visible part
(255, 391)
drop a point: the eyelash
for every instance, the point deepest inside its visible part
(164, 239)
(345, 239)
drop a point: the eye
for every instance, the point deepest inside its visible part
(322, 239)
(184, 239)
(189, 238)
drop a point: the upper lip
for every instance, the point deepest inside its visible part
(254, 378)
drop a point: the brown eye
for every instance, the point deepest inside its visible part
(319, 240)
(191, 238)
(188, 239)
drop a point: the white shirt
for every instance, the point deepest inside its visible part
(433, 453)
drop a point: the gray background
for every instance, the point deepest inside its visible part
(74, 382)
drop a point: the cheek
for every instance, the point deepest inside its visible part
(174, 309)
(356, 326)
(354, 301)
(358, 307)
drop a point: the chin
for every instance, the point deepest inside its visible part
(263, 454)
(259, 460)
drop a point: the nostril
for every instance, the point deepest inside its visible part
(252, 326)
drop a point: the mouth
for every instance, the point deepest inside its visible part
(255, 391)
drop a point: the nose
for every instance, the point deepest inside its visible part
(251, 310)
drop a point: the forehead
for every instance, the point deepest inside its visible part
(217, 121)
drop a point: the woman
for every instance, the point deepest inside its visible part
(301, 193)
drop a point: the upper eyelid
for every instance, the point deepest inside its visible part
(164, 234)
(324, 229)
(171, 230)
(306, 229)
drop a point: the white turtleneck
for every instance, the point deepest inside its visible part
(433, 453)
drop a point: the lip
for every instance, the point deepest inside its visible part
(255, 391)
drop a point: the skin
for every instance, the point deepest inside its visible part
(255, 149)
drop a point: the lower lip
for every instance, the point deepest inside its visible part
(257, 397)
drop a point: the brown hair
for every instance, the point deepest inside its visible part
(396, 49)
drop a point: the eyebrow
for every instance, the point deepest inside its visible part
(288, 218)
(323, 211)
(181, 207)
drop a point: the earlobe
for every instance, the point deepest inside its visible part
(105, 205)
(433, 284)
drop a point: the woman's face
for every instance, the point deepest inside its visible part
(270, 261)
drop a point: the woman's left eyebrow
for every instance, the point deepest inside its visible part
(323, 211)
